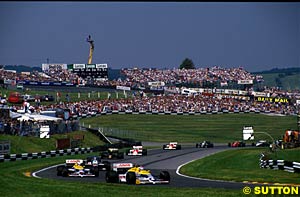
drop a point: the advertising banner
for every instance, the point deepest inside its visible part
(101, 65)
(272, 99)
(245, 81)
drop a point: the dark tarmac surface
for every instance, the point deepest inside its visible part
(158, 160)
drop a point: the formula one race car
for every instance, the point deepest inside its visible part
(205, 144)
(112, 153)
(76, 167)
(237, 144)
(137, 150)
(172, 146)
(102, 165)
(130, 174)
(262, 143)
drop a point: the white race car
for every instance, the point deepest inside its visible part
(137, 150)
(130, 174)
(172, 146)
(76, 167)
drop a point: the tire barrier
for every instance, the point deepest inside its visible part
(289, 166)
(45, 154)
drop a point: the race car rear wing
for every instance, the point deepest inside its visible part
(137, 147)
(122, 165)
(73, 161)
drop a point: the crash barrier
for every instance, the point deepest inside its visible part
(45, 154)
(4, 147)
(288, 166)
(93, 114)
(99, 134)
(124, 142)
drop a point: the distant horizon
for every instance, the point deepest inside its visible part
(257, 36)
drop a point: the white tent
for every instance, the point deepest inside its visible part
(24, 117)
(14, 115)
(38, 117)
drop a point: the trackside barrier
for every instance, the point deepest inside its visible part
(288, 166)
(163, 113)
(53, 153)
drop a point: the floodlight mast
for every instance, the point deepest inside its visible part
(89, 40)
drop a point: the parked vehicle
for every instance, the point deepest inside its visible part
(28, 98)
(15, 97)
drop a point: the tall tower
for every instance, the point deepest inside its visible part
(89, 40)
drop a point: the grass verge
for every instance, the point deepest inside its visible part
(242, 165)
(216, 128)
(14, 183)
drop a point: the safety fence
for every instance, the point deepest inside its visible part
(44, 154)
(288, 166)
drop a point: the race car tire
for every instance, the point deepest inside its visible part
(106, 165)
(144, 152)
(197, 145)
(164, 146)
(130, 178)
(96, 171)
(120, 156)
(178, 147)
(104, 155)
(65, 172)
(229, 144)
(164, 175)
(59, 170)
(111, 177)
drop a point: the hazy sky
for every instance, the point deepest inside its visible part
(257, 36)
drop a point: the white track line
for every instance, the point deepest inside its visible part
(203, 179)
(34, 173)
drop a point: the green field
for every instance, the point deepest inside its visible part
(221, 128)
(243, 165)
(24, 144)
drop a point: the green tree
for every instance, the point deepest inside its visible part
(187, 64)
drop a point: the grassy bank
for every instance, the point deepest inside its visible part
(23, 144)
(242, 165)
(216, 128)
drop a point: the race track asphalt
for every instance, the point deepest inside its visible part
(158, 160)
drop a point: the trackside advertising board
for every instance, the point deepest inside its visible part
(272, 99)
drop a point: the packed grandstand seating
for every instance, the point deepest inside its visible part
(140, 77)
(174, 101)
